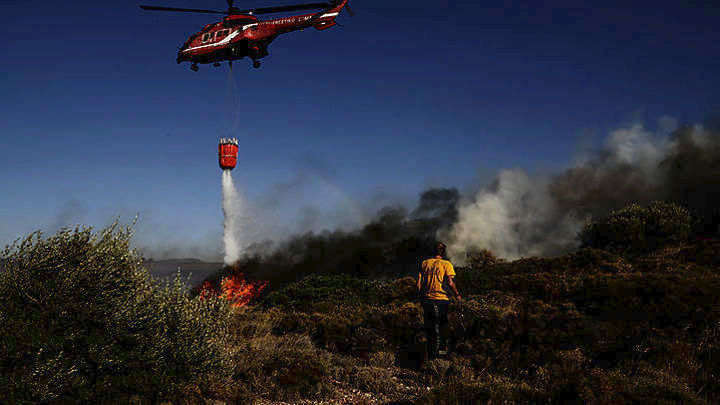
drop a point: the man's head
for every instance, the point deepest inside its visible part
(440, 249)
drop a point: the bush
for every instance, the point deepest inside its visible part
(483, 259)
(286, 367)
(488, 390)
(282, 367)
(84, 322)
(640, 383)
(637, 229)
(382, 359)
(374, 379)
(315, 289)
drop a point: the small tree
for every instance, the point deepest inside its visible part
(83, 321)
(636, 228)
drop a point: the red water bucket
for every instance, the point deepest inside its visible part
(227, 153)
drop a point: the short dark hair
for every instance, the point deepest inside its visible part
(440, 249)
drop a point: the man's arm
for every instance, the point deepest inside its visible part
(451, 283)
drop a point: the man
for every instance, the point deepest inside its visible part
(435, 274)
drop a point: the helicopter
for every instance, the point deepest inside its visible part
(241, 34)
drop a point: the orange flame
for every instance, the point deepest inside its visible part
(236, 289)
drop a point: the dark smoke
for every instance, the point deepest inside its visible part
(687, 172)
(440, 204)
(391, 244)
(693, 175)
(594, 191)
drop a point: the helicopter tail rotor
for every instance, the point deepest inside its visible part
(336, 3)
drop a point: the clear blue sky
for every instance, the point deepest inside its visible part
(98, 119)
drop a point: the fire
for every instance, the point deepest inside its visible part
(236, 289)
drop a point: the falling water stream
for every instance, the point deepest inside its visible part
(231, 206)
(231, 199)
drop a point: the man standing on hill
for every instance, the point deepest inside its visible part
(435, 274)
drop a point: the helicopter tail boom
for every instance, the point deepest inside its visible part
(326, 19)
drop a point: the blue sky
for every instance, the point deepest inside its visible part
(98, 120)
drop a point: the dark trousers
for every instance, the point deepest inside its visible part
(436, 325)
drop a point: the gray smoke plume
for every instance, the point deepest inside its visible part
(514, 217)
(522, 215)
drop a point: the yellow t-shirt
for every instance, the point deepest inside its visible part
(432, 273)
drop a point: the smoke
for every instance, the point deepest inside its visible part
(72, 212)
(514, 217)
(313, 197)
(522, 214)
(519, 214)
(682, 166)
(392, 243)
(231, 206)
(438, 203)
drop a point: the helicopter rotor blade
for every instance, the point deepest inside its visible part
(281, 9)
(261, 10)
(187, 10)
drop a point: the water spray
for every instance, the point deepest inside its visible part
(231, 204)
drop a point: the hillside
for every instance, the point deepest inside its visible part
(626, 323)
(591, 326)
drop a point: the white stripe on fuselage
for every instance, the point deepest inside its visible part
(223, 42)
(235, 33)
(298, 19)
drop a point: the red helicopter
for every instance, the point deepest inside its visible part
(241, 34)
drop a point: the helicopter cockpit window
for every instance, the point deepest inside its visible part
(232, 23)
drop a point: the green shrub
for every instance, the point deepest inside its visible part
(82, 321)
(636, 228)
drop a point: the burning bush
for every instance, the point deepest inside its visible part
(236, 289)
(82, 321)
